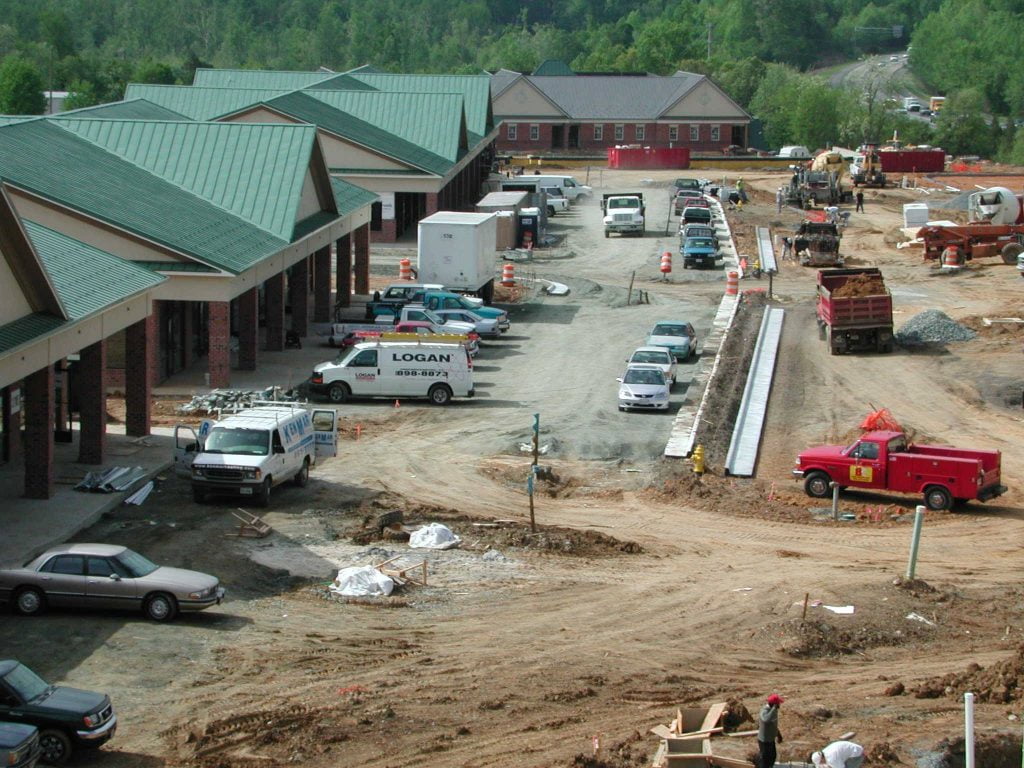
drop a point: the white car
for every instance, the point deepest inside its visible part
(557, 201)
(485, 326)
(643, 386)
(658, 356)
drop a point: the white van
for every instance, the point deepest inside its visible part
(572, 189)
(247, 453)
(795, 152)
(395, 369)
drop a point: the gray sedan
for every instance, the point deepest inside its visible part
(106, 576)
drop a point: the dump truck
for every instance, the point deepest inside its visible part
(816, 244)
(624, 213)
(887, 461)
(854, 310)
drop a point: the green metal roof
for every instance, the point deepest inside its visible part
(129, 109)
(176, 266)
(304, 107)
(12, 119)
(254, 170)
(475, 89)
(202, 103)
(258, 78)
(553, 67)
(46, 158)
(87, 280)
(433, 121)
(343, 82)
(351, 197)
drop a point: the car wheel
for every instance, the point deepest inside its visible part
(198, 495)
(302, 476)
(817, 485)
(29, 601)
(160, 607)
(338, 393)
(440, 394)
(262, 499)
(937, 498)
(55, 747)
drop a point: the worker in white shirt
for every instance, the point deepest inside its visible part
(839, 754)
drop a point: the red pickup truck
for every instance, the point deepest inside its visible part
(886, 461)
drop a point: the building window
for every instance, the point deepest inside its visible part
(694, 133)
(534, 132)
(620, 131)
(513, 131)
(598, 133)
(639, 132)
(715, 132)
(673, 133)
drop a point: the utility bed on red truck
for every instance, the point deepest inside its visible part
(885, 460)
(861, 320)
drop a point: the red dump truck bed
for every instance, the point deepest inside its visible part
(855, 322)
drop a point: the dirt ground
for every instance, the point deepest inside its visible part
(644, 588)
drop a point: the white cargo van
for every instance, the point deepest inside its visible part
(572, 189)
(795, 152)
(396, 369)
(247, 453)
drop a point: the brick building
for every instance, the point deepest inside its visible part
(140, 246)
(423, 143)
(570, 112)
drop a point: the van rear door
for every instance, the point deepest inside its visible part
(325, 433)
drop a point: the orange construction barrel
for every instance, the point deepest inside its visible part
(732, 284)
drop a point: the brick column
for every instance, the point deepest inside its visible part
(298, 296)
(141, 369)
(322, 309)
(432, 203)
(273, 297)
(92, 403)
(13, 420)
(39, 407)
(248, 328)
(218, 361)
(361, 240)
(343, 271)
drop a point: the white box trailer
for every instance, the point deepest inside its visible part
(458, 250)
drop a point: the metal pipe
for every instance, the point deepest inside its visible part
(835, 501)
(915, 539)
(968, 730)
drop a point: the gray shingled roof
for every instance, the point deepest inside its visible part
(615, 97)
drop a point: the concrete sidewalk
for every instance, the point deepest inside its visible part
(30, 526)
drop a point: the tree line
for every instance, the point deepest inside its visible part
(759, 50)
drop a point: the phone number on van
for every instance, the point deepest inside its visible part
(428, 374)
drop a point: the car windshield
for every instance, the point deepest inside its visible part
(669, 330)
(235, 440)
(26, 683)
(659, 358)
(135, 564)
(643, 376)
(700, 242)
(622, 202)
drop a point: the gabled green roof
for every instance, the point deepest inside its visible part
(201, 103)
(351, 198)
(129, 109)
(258, 78)
(433, 121)
(553, 67)
(87, 280)
(46, 158)
(12, 119)
(343, 82)
(255, 171)
(304, 107)
(475, 89)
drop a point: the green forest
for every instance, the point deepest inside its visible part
(760, 51)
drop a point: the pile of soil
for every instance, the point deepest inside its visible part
(993, 750)
(1000, 683)
(860, 285)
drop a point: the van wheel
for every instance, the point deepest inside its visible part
(551, 210)
(937, 498)
(339, 393)
(302, 476)
(262, 498)
(440, 394)
(55, 747)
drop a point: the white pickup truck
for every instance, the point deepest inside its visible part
(557, 201)
(624, 213)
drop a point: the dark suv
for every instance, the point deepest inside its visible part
(19, 745)
(67, 718)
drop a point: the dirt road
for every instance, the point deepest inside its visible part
(643, 590)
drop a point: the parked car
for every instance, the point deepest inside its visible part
(106, 576)
(693, 214)
(699, 230)
(643, 386)
(685, 197)
(556, 200)
(699, 252)
(67, 718)
(19, 745)
(436, 300)
(679, 338)
(658, 356)
(485, 326)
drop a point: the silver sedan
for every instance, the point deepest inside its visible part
(106, 576)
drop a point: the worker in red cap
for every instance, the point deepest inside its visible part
(768, 730)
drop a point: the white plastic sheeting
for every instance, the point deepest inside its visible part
(362, 581)
(434, 536)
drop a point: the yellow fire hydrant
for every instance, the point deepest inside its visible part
(698, 460)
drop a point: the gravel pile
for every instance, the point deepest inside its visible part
(932, 327)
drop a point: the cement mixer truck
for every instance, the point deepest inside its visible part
(996, 229)
(820, 184)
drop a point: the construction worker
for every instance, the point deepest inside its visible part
(860, 201)
(768, 730)
(839, 754)
(740, 190)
